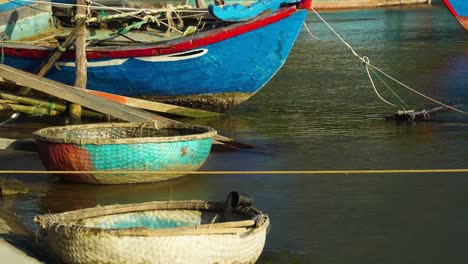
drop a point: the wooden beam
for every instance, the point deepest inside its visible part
(75, 95)
(155, 106)
(95, 102)
(81, 61)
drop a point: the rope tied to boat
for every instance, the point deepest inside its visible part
(152, 123)
(60, 48)
(79, 16)
(374, 69)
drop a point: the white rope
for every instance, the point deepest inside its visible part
(367, 64)
(159, 21)
(308, 30)
(419, 93)
(373, 85)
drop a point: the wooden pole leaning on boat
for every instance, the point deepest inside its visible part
(80, 58)
(57, 53)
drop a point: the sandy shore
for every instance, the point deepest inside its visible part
(355, 4)
(17, 243)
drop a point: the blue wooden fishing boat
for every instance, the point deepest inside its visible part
(211, 58)
(459, 9)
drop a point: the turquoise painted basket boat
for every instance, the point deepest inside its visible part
(123, 148)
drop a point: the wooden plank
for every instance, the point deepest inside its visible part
(81, 61)
(155, 106)
(95, 102)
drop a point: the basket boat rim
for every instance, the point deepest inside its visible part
(257, 220)
(44, 134)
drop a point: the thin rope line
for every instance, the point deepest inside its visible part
(368, 64)
(389, 88)
(375, 89)
(419, 93)
(308, 30)
(137, 17)
(243, 172)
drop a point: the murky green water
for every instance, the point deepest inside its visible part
(320, 113)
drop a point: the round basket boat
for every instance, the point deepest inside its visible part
(156, 232)
(123, 148)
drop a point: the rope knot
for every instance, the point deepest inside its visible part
(60, 48)
(365, 60)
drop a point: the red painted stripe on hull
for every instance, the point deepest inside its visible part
(168, 48)
(463, 21)
(450, 8)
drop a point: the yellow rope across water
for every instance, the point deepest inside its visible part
(278, 172)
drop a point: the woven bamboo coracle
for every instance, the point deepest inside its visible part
(124, 147)
(156, 232)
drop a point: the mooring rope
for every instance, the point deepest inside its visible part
(366, 62)
(278, 172)
(142, 18)
(310, 32)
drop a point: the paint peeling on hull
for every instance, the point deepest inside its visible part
(463, 21)
(212, 102)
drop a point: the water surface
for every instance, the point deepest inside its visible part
(320, 113)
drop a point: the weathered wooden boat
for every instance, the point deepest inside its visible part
(123, 148)
(214, 58)
(157, 232)
(459, 9)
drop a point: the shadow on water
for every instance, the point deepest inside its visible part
(320, 113)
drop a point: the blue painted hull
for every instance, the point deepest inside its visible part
(460, 6)
(242, 64)
(459, 9)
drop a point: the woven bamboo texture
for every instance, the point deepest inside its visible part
(155, 147)
(75, 237)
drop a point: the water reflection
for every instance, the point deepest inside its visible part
(320, 113)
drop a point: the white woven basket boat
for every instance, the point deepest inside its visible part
(157, 232)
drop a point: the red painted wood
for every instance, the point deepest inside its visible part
(305, 4)
(113, 97)
(450, 8)
(66, 157)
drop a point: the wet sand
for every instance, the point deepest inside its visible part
(16, 242)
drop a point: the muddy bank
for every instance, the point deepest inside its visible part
(355, 4)
(16, 242)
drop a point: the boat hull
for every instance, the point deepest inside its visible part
(459, 9)
(130, 153)
(212, 70)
